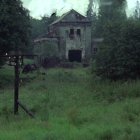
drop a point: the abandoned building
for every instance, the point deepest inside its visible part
(69, 37)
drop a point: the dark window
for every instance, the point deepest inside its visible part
(71, 31)
(71, 35)
(78, 32)
(95, 50)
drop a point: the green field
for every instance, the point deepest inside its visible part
(70, 104)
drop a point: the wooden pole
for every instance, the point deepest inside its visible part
(16, 65)
(16, 92)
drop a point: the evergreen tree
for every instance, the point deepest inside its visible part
(110, 12)
(137, 10)
(91, 14)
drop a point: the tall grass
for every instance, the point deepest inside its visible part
(72, 104)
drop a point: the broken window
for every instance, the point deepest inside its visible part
(78, 32)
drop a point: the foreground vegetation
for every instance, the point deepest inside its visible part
(70, 104)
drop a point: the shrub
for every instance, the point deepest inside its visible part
(120, 60)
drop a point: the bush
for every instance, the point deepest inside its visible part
(120, 60)
(50, 62)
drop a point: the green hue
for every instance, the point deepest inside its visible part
(72, 104)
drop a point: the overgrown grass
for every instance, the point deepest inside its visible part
(6, 76)
(72, 104)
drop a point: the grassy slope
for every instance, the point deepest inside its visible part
(72, 105)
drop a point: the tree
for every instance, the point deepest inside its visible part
(110, 11)
(122, 61)
(14, 26)
(137, 10)
(40, 26)
(37, 28)
(129, 50)
(91, 14)
(119, 53)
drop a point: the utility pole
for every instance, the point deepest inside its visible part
(16, 89)
(17, 60)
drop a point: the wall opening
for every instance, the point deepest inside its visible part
(75, 55)
(71, 35)
(71, 31)
(95, 50)
(78, 32)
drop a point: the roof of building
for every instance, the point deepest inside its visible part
(61, 19)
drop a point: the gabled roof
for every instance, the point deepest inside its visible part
(62, 18)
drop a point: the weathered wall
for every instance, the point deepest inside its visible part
(88, 42)
(47, 48)
(73, 32)
(78, 42)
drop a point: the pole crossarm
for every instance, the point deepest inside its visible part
(22, 55)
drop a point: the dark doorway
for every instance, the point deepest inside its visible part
(75, 55)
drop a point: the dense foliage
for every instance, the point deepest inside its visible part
(14, 26)
(40, 26)
(119, 54)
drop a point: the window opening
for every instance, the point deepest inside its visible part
(78, 32)
(71, 35)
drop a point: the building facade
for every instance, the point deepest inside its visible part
(73, 34)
